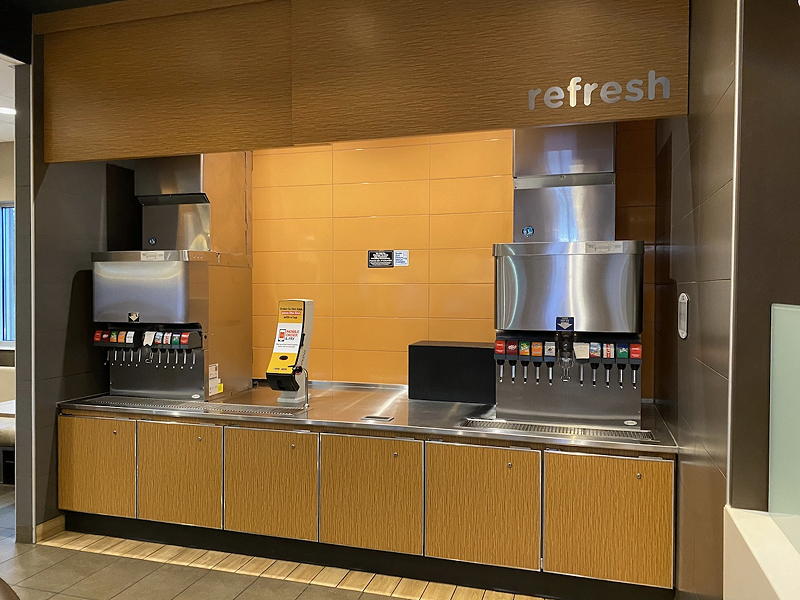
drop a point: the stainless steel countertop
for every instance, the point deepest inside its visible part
(347, 405)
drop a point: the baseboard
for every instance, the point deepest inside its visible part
(49, 528)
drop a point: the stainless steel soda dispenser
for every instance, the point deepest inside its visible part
(568, 308)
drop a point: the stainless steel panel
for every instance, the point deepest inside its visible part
(169, 175)
(569, 402)
(176, 226)
(156, 379)
(213, 258)
(158, 291)
(565, 214)
(598, 283)
(564, 149)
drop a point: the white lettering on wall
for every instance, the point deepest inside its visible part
(610, 92)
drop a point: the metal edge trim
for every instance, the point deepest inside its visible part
(653, 446)
(535, 182)
(646, 458)
(628, 247)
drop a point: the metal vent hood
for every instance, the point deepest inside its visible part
(170, 180)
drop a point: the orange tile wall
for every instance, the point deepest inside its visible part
(316, 212)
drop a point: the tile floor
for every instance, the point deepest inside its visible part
(74, 566)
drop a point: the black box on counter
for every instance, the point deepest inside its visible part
(451, 371)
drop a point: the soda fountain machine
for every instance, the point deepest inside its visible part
(568, 320)
(174, 316)
(568, 295)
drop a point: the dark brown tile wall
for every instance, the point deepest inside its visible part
(693, 233)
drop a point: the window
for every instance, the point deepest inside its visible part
(8, 330)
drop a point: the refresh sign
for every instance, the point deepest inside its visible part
(582, 92)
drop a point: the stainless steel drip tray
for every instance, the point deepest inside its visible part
(559, 431)
(188, 406)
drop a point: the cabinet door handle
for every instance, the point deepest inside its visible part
(638, 476)
(292, 446)
(114, 432)
(199, 438)
(395, 454)
(509, 465)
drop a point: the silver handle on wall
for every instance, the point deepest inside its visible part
(683, 315)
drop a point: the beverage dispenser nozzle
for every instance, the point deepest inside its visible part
(581, 357)
(512, 353)
(635, 361)
(566, 353)
(550, 359)
(608, 361)
(499, 356)
(622, 361)
(595, 357)
(537, 355)
(524, 359)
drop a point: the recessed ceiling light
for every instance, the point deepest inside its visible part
(7, 111)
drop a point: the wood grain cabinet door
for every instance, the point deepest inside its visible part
(97, 465)
(180, 473)
(609, 517)
(483, 504)
(271, 482)
(371, 493)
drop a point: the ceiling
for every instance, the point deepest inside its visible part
(6, 98)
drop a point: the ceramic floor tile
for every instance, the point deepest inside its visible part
(9, 549)
(217, 585)
(110, 581)
(68, 572)
(164, 583)
(29, 594)
(272, 589)
(16, 569)
(318, 592)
